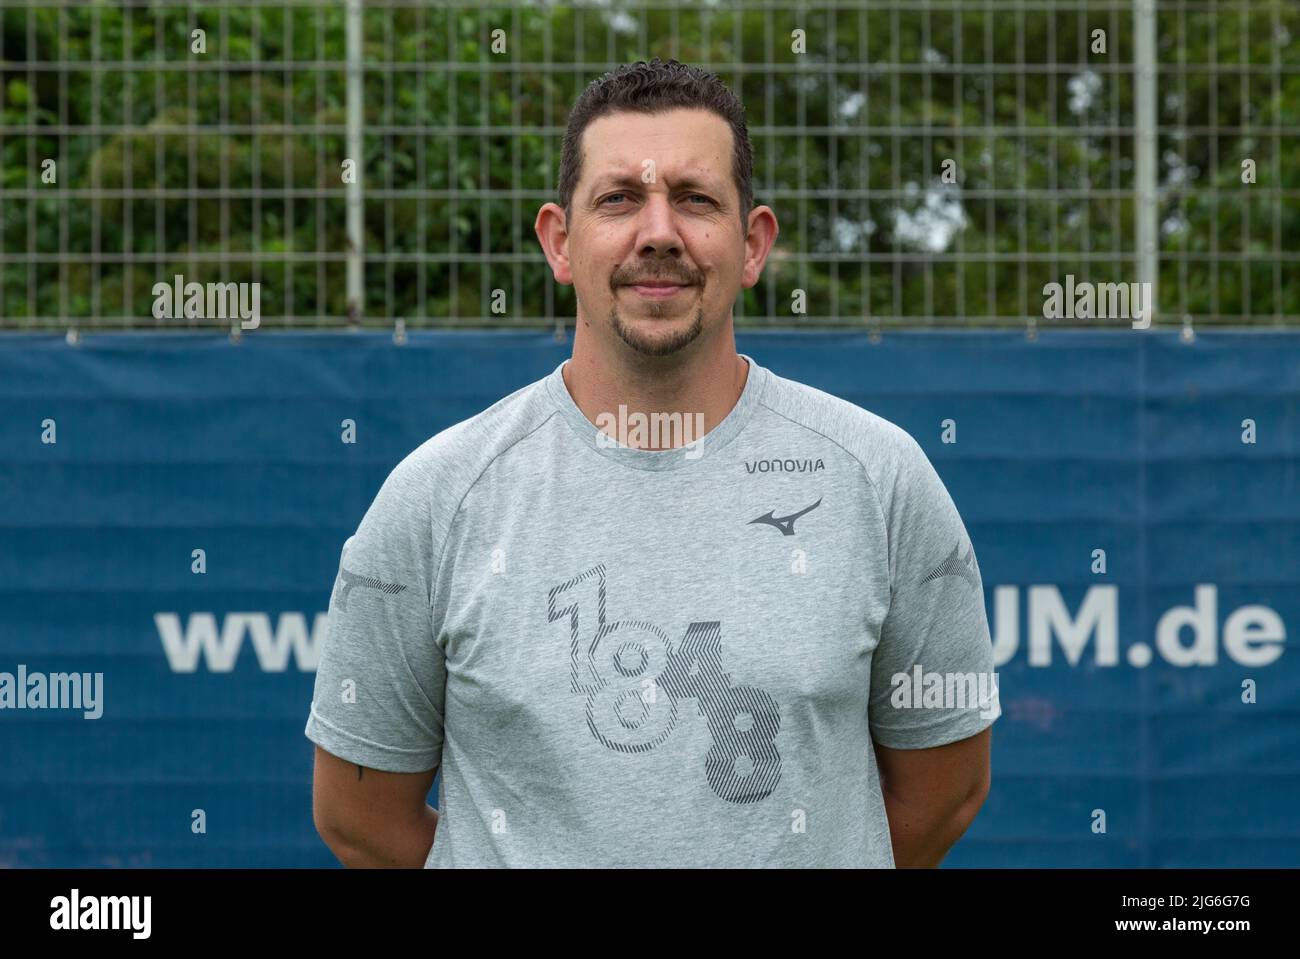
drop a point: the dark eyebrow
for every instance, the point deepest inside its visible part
(628, 180)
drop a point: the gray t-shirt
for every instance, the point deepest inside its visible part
(623, 657)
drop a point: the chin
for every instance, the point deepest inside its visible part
(659, 336)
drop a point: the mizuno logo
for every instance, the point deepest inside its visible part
(954, 566)
(784, 523)
(353, 581)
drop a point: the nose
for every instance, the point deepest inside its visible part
(657, 232)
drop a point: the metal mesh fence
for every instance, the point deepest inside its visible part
(931, 162)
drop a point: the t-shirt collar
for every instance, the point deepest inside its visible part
(678, 458)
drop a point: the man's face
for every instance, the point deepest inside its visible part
(654, 236)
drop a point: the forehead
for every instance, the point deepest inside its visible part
(687, 142)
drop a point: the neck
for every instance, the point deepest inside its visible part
(701, 388)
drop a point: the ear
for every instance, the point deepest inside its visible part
(551, 228)
(763, 230)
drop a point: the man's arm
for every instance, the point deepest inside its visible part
(932, 796)
(373, 819)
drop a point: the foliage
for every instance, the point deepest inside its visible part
(174, 160)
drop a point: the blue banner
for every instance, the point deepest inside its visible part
(172, 509)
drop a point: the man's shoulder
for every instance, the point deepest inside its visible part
(876, 442)
(447, 464)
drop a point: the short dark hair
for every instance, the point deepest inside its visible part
(657, 87)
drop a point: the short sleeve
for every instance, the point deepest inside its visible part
(381, 675)
(932, 678)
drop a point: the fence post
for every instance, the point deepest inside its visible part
(356, 149)
(1145, 143)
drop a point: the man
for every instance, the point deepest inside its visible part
(632, 650)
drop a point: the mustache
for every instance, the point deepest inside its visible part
(656, 277)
